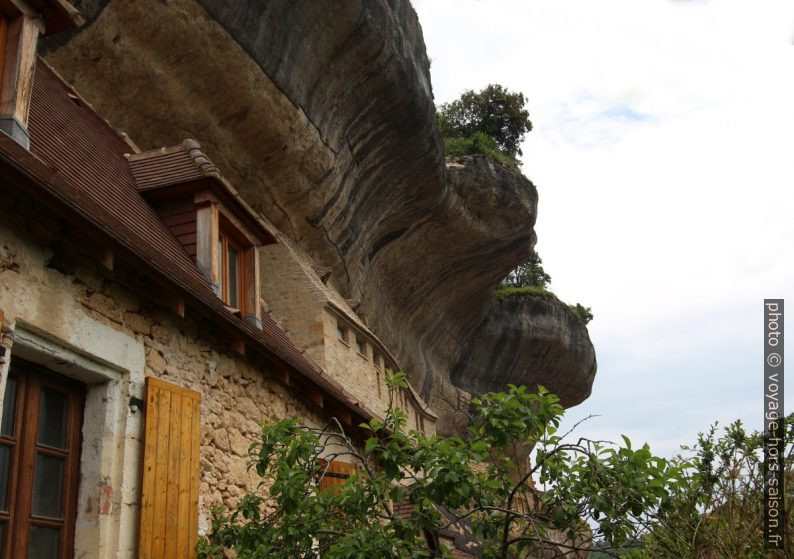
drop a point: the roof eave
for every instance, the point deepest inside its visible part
(58, 15)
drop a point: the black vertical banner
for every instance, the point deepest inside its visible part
(774, 443)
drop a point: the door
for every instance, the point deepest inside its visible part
(39, 461)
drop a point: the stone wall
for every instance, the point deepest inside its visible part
(293, 298)
(312, 312)
(355, 370)
(65, 311)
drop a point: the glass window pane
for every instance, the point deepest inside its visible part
(52, 418)
(234, 278)
(43, 543)
(9, 407)
(5, 468)
(48, 486)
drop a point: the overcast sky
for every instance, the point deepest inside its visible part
(663, 153)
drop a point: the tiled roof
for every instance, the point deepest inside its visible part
(165, 166)
(185, 163)
(77, 159)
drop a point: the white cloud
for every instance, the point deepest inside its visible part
(662, 152)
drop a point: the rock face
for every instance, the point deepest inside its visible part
(536, 341)
(321, 115)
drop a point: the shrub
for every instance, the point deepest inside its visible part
(506, 291)
(584, 314)
(482, 483)
(478, 143)
(716, 508)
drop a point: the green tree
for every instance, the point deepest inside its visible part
(494, 111)
(482, 481)
(716, 510)
(529, 273)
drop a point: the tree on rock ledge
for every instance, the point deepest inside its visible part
(529, 273)
(407, 488)
(494, 111)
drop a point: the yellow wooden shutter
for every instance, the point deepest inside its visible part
(169, 494)
(337, 473)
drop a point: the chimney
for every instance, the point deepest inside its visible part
(21, 23)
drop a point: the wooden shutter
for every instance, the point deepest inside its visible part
(169, 494)
(337, 473)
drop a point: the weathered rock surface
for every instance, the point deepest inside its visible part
(321, 114)
(537, 342)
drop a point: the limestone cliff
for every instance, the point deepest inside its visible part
(539, 341)
(321, 114)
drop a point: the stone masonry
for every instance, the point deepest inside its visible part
(49, 287)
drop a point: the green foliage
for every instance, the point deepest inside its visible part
(478, 143)
(484, 480)
(582, 313)
(530, 279)
(494, 111)
(716, 507)
(529, 273)
(505, 292)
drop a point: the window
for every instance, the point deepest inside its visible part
(39, 461)
(341, 332)
(228, 256)
(360, 348)
(377, 359)
(230, 271)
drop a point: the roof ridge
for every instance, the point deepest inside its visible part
(200, 158)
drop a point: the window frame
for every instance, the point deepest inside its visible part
(225, 241)
(361, 347)
(18, 516)
(216, 225)
(342, 333)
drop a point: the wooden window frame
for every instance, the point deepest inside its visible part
(18, 517)
(225, 240)
(216, 225)
(19, 33)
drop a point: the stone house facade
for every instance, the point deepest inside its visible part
(336, 338)
(143, 307)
